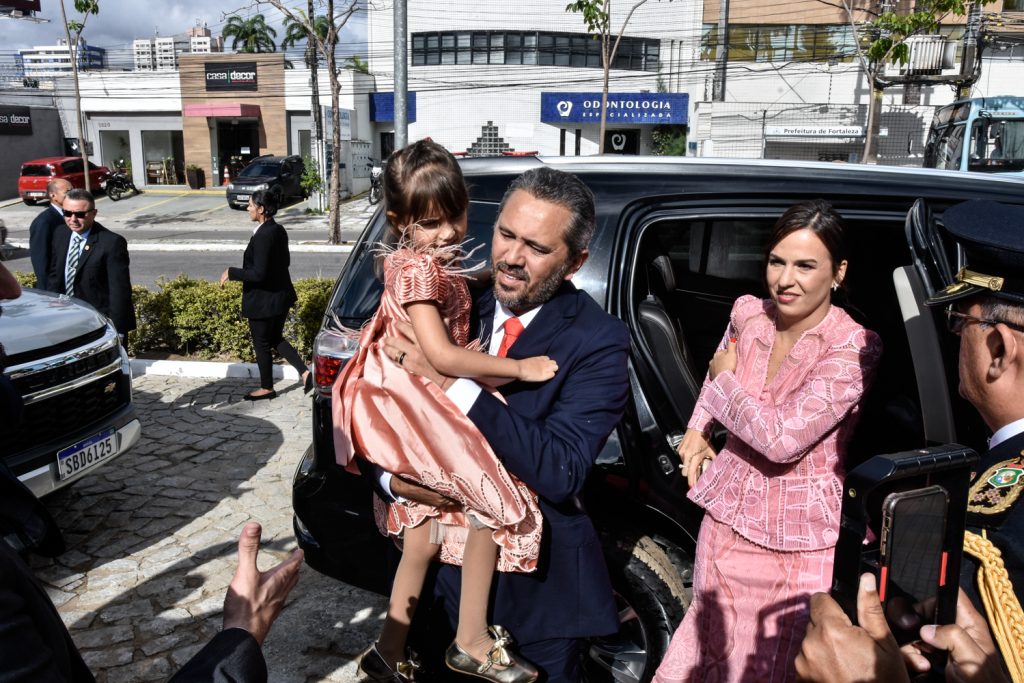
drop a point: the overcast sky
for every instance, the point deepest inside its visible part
(119, 22)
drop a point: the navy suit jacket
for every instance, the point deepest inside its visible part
(40, 240)
(549, 435)
(102, 279)
(267, 290)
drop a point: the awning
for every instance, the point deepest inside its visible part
(223, 110)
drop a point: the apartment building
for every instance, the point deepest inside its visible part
(54, 60)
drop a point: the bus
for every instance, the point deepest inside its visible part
(980, 134)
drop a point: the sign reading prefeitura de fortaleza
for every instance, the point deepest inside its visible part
(15, 121)
(650, 108)
(226, 76)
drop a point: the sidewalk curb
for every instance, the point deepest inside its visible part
(206, 369)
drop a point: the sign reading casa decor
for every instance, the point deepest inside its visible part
(15, 121)
(644, 108)
(222, 76)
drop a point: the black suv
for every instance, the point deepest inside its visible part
(282, 175)
(677, 241)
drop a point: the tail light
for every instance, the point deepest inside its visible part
(331, 351)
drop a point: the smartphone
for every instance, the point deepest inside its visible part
(913, 561)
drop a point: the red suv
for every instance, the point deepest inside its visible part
(37, 173)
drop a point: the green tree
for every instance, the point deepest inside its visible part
(254, 34)
(883, 40)
(73, 31)
(597, 15)
(295, 34)
(354, 63)
(326, 45)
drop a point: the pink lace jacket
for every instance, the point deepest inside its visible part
(778, 480)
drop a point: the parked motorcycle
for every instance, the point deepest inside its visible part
(376, 182)
(119, 185)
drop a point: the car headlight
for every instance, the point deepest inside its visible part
(257, 188)
(231, 187)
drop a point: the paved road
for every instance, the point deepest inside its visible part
(151, 538)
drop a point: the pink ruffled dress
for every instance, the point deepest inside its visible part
(406, 425)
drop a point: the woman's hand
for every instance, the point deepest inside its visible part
(223, 277)
(694, 451)
(724, 360)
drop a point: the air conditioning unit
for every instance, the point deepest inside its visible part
(929, 55)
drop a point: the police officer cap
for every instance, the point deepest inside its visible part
(992, 237)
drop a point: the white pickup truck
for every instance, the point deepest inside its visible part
(68, 364)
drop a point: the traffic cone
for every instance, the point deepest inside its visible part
(227, 175)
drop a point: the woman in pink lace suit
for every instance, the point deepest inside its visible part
(407, 426)
(786, 384)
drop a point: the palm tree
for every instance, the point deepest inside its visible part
(354, 63)
(254, 34)
(295, 33)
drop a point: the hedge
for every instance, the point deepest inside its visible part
(197, 318)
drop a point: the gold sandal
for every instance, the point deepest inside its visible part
(501, 665)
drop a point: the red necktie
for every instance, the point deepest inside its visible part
(513, 328)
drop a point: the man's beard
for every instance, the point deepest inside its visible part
(527, 299)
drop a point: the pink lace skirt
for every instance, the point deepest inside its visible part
(749, 613)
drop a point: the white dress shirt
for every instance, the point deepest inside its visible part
(1005, 432)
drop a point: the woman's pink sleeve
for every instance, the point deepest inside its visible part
(784, 433)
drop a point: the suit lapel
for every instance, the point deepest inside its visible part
(87, 249)
(551, 320)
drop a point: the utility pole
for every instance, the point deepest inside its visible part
(317, 142)
(401, 87)
(969, 67)
(722, 55)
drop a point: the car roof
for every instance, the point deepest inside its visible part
(271, 157)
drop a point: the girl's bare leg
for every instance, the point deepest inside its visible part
(478, 564)
(417, 552)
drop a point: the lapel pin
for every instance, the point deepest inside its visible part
(87, 247)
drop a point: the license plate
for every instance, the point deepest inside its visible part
(86, 454)
(36, 194)
(242, 197)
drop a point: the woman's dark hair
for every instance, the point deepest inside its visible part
(267, 200)
(421, 179)
(819, 217)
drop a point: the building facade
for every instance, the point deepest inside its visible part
(55, 60)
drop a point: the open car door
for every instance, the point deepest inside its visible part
(930, 271)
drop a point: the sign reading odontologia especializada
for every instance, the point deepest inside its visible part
(652, 108)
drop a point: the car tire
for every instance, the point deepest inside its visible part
(29, 202)
(652, 592)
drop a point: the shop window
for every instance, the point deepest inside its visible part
(163, 152)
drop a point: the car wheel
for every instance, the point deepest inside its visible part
(30, 202)
(652, 593)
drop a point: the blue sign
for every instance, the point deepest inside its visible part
(644, 108)
(382, 106)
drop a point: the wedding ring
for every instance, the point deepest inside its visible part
(400, 358)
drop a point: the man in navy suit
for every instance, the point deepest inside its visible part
(40, 232)
(547, 434)
(89, 262)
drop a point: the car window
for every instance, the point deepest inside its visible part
(260, 168)
(92, 166)
(359, 293)
(72, 166)
(35, 170)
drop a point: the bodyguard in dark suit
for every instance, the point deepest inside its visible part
(267, 293)
(91, 263)
(548, 434)
(40, 232)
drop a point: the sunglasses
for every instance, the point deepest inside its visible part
(77, 214)
(957, 321)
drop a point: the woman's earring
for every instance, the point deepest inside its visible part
(835, 286)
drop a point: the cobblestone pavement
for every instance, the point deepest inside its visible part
(152, 538)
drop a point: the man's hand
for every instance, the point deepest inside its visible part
(406, 348)
(255, 598)
(836, 651)
(973, 657)
(421, 494)
(223, 277)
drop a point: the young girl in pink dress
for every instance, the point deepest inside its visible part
(787, 384)
(407, 426)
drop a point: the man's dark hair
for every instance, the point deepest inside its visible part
(566, 190)
(996, 308)
(77, 194)
(268, 200)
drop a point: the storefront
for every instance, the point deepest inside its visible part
(628, 123)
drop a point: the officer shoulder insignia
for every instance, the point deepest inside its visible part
(998, 488)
